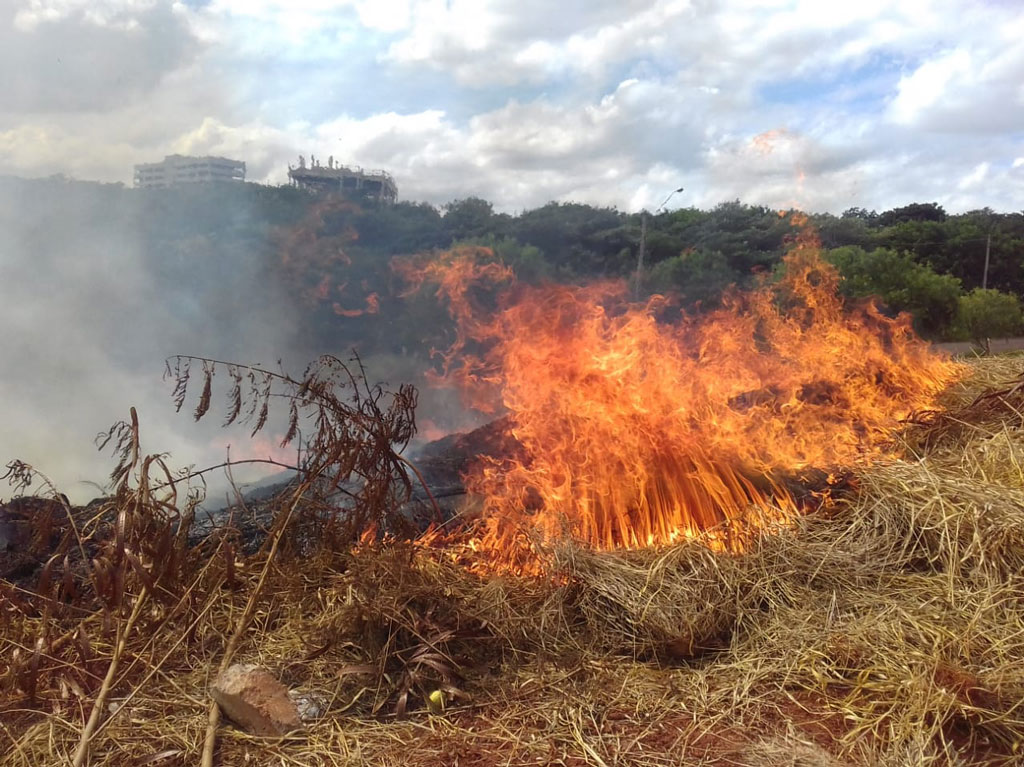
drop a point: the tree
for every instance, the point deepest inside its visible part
(868, 217)
(848, 230)
(469, 218)
(750, 238)
(577, 239)
(985, 314)
(918, 211)
(698, 276)
(925, 240)
(404, 228)
(901, 283)
(526, 261)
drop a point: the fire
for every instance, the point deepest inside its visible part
(313, 253)
(372, 305)
(636, 424)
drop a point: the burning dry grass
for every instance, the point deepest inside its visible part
(639, 425)
(886, 629)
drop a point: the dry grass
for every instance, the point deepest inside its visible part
(886, 630)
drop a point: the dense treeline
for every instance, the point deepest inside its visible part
(331, 258)
(916, 258)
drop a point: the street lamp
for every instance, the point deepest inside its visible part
(643, 240)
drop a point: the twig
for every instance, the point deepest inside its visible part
(101, 698)
(426, 489)
(208, 469)
(156, 632)
(213, 718)
(17, 745)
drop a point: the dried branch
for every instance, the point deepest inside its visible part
(351, 433)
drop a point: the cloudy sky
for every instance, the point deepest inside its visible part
(825, 105)
(822, 105)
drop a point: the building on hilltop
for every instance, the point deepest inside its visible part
(350, 181)
(178, 170)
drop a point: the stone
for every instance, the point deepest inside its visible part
(257, 702)
(310, 705)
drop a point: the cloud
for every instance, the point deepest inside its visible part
(613, 102)
(976, 177)
(525, 154)
(505, 43)
(979, 91)
(521, 102)
(118, 14)
(385, 15)
(78, 57)
(783, 169)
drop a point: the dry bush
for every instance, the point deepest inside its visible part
(123, 598)
(350, 436)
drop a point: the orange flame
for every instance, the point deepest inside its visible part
(372, 306)
(633, 430)
(311, 257)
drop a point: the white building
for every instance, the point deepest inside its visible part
(178, 169)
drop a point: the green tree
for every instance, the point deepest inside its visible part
(577, 239)
(527, 261)
(469, 218)
(984, 314)
(867, 217)
(835, 232)
(698, 276)
(925, 240)
(752, 239)
(403, 228)
(901, 283)
(970, 233)
(918, 211)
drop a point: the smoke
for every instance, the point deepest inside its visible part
(99, 284)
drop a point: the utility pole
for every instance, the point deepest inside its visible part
(984, 275)
(643, 242)
(640, 255)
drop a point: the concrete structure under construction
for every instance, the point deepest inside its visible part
(178, 170)
(350, 181)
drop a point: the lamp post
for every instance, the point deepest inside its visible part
(643, 241)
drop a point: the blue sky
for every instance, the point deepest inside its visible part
(822, 105)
